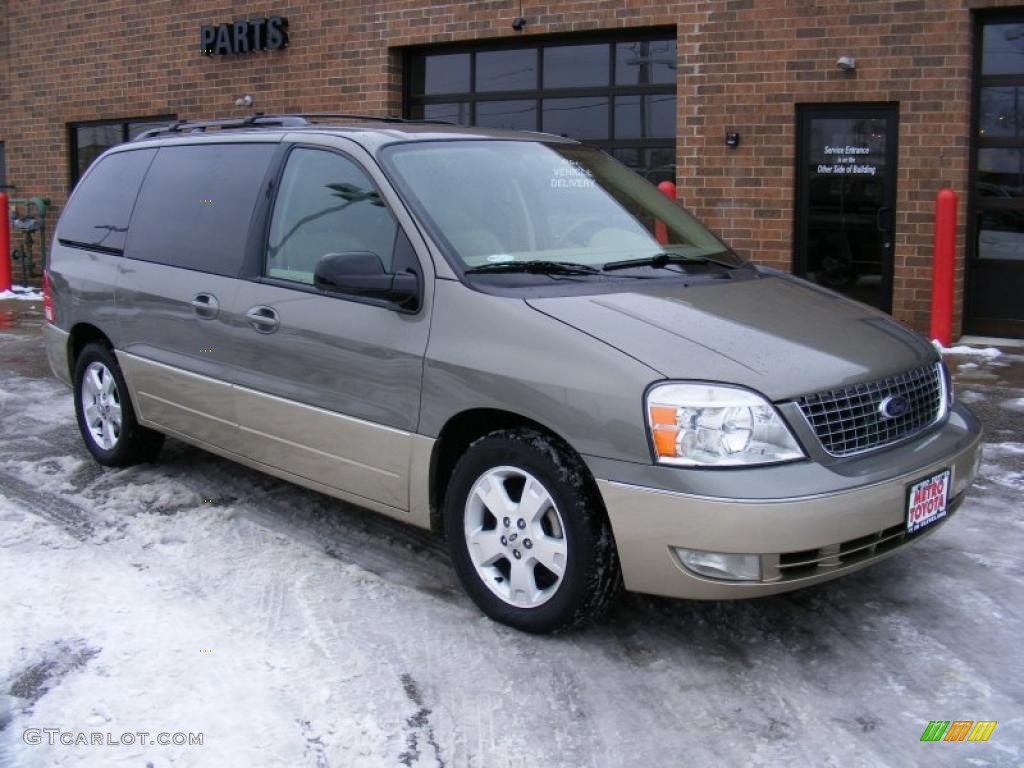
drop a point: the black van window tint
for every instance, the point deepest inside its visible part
(196, 206)
(326, 204)
(99, 210)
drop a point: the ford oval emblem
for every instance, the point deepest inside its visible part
(894, 406)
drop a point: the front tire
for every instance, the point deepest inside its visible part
(528, 533)
(105, 414)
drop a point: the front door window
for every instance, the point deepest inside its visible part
(326, 204)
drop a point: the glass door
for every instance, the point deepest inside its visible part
(995, 242)
(846, 192)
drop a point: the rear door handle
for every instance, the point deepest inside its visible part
(205, 305)
(263, 319)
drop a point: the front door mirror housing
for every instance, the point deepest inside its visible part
(362, 274)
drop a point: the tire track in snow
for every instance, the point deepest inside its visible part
(57, 509)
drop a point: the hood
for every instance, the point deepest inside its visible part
(773, 333)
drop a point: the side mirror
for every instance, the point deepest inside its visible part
(361, 273)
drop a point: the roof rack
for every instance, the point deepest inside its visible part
(313, 116)
(288, 120)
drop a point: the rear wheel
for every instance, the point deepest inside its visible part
(105, 414)
(528, 534)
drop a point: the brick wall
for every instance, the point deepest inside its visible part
(743, 65)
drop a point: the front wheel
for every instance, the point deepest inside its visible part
(528, 534)
(105, 414)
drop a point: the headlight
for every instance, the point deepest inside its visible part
(711, 425)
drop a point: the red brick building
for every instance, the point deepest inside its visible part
(812, 134)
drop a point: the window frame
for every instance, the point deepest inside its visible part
(412, 100)
(124, 122)
(256, 267)
(977, 141)
(979, 270)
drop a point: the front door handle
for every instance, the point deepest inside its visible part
(263, 319)
(205, 305)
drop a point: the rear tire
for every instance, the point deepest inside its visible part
(105, 414)
(528, 534)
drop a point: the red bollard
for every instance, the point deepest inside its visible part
(5, 244)
(943, 256)
(668, 189)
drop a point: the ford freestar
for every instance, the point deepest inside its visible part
(507, 337)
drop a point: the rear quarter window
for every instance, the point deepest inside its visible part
(197, 204)
(98, 213)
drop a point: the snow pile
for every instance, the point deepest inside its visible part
(23, 293)
(962, 349)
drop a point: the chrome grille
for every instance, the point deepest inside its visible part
(849, 420)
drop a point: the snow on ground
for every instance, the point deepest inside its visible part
(963, 349)
(163, 609)
(196, 596)
(23, 293)
(969, 396)
(1004, 449)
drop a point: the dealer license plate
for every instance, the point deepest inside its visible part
(928, 501)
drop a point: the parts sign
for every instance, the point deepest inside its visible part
(262, 34)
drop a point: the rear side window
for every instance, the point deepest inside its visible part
(196, 206)
(98, 213)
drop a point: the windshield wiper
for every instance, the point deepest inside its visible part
(536, 267)
(662, 260)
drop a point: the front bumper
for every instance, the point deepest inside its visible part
(803, 538)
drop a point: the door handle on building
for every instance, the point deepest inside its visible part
(883, 219)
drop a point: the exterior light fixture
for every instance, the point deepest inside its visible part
(846, 63)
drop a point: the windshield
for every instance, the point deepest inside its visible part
(492, 202)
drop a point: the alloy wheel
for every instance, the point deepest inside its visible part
(101, 405)
(515, 536)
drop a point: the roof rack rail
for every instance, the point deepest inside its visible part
(256, 120)
(372, 118)
(287, 120)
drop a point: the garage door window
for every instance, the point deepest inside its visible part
(618, 94)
